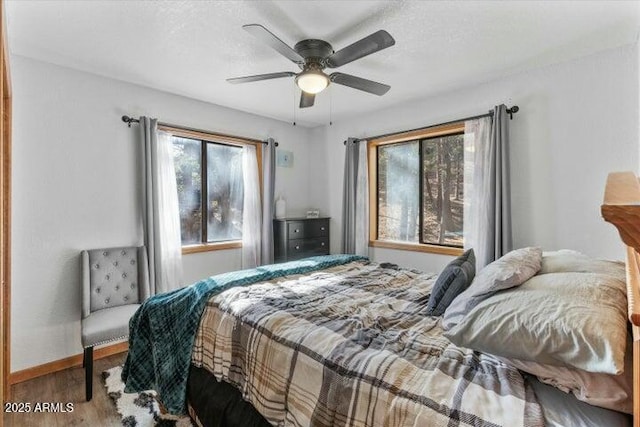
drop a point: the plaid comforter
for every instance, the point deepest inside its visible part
(163, 330)
(351, 346)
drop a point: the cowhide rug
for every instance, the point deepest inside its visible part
(138, 409)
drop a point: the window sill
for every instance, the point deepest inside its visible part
(208, 247)
(416, 247)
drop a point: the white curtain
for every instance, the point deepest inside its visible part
(362, 202)
(161, 218)
(487, 212)
(476, 136)
(252, 210)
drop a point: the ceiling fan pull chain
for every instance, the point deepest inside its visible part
(293, 97)
(330, 106)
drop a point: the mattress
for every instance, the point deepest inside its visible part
(217, 404)
(564, 410)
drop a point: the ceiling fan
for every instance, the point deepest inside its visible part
(313, 56)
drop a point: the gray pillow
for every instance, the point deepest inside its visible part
(455, 278)
(564, 319)
(513, 269)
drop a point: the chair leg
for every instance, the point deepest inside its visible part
(88, 372)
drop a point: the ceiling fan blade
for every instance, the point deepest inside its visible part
(272, 40)
(307, 99)
(360, 83)
(363, 47)
(259, 77)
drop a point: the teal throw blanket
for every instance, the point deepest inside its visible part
(163, 330)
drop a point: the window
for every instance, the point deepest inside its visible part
(210, 191)
(418, 189)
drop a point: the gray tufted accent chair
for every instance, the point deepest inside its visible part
(115, 281)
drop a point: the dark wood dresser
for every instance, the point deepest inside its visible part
(296, 238)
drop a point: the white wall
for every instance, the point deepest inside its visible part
(75, 174)
(578, 121)
(75, 168)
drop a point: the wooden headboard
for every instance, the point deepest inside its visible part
(621, 208)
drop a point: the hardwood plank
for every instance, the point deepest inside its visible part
(67, 386)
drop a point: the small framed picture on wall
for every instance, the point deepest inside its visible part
(284, 159)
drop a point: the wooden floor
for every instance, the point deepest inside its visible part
(67, 387)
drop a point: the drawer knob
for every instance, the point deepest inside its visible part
(297, 247)
(321, 228)
(322, 244)
(296, 231)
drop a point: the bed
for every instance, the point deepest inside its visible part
(340, 340)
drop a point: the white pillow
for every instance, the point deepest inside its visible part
(566, 260)
(566, 319)
(604, 390)
(511, 270)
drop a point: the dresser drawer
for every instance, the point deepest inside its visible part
(317, 228)
(300, 248)
(317, 246)
(296, 229)
(295, 246)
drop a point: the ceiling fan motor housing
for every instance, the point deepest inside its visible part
(313, 51)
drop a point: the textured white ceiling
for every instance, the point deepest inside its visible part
(191, 47)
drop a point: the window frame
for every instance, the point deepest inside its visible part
(205, 137)
(372, 160)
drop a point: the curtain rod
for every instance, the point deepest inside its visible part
(511, 111)
(128, 120)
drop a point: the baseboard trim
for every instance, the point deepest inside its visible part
(66, 363)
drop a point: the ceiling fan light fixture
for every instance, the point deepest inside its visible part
(312, 81)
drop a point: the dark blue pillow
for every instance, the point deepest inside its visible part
(455, 278)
